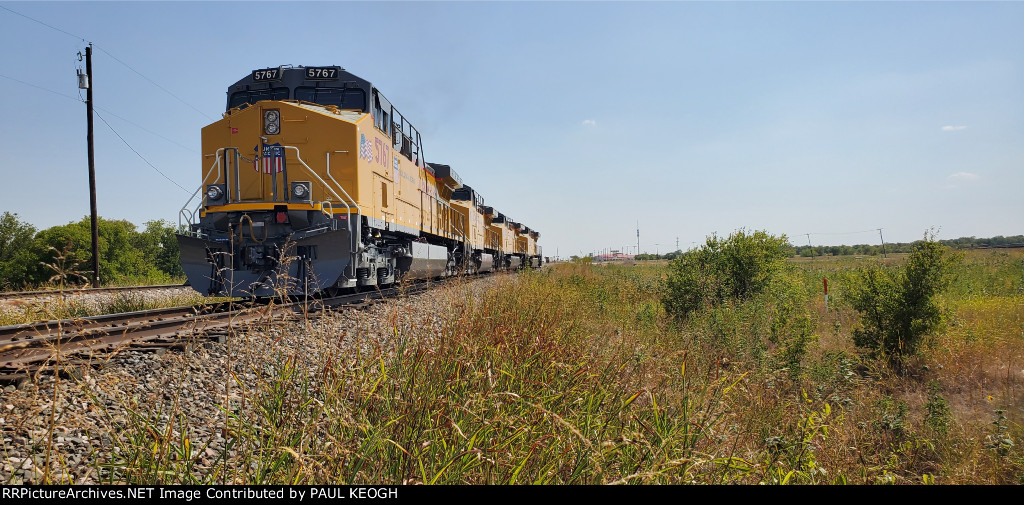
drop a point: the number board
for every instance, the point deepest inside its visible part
(266, 74)
(322, 73)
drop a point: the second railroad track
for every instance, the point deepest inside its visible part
(27, 348)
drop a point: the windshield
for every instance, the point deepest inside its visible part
(347, 98)
(253, 96)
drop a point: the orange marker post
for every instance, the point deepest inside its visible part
(825, 281)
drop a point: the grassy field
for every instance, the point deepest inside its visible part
(575, 375)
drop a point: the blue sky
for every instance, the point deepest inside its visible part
(578, 119)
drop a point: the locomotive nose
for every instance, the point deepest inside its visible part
(220, 268)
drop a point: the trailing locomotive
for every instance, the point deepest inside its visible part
(312, 181)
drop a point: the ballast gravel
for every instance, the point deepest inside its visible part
(57, 303)
(71, 421)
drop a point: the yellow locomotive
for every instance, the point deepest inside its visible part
(312, 181)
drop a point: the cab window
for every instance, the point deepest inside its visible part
(381, 114)
(254, 95)
(343, 98)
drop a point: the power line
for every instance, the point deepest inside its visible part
(139, 155)
(42, 23)
(149, 131)
(808, 234)
(79, 99)
(165, 90)
(843, 232)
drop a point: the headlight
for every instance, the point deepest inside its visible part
(272, 122)
(214, 193)
(301, 190)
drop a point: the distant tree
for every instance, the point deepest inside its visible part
(15, 251)
(160, 245)
(120, 256)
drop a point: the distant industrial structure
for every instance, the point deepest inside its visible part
(613, 255)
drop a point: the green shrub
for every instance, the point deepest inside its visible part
(938, 415)
(898, 306)
(892, 417)
(737, 267)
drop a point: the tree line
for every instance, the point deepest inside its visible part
(30, 258)
(907, 247)
(872, 250)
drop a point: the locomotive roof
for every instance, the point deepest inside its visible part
(290, 77)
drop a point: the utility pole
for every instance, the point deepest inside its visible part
(638, 237)
(883, 243)
(87, 84)
(809, 245)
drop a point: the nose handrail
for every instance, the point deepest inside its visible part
(189, 215)
(220, 164)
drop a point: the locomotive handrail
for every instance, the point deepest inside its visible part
(184, 208)
(238, 185)
(298, 156)
(189, 218)
(359, 225)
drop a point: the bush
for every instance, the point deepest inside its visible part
(898, 306)
(938, 415)
(737, 267)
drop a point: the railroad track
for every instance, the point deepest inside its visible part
(27, 348)
(17, 295)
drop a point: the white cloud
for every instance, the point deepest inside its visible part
(962, 177)
(589, 122)
(953, 128)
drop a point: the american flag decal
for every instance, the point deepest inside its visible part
(273, 159)
(365, 148)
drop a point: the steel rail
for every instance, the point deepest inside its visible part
(84, 291)
(27, 347)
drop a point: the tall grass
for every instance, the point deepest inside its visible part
(574, 375)
(521, 384)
